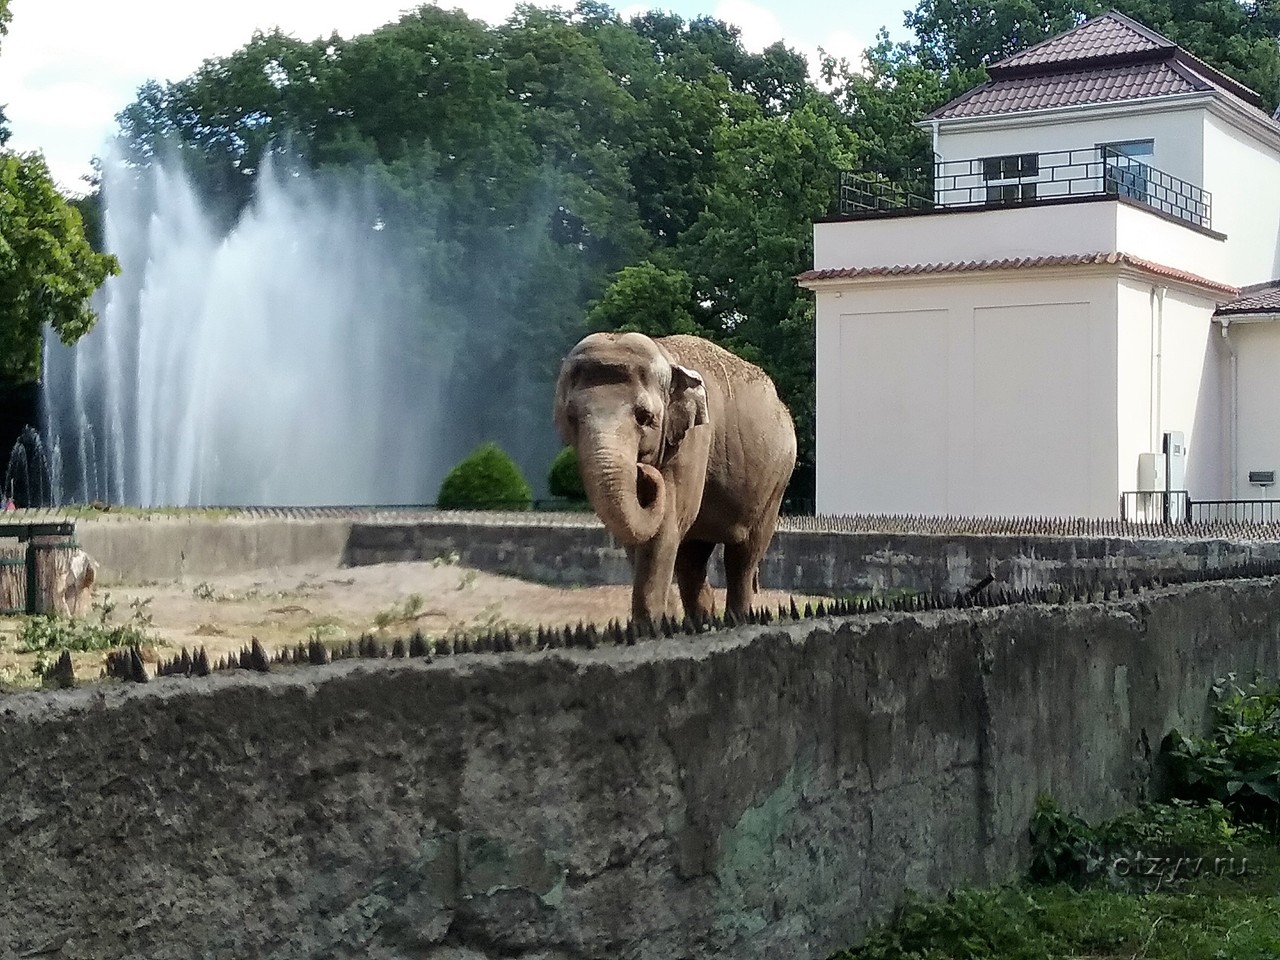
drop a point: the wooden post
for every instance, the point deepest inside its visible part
(13, 580)
(48, 562)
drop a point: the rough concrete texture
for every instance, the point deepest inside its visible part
(808, 562)
(764, 792)
(137, 549)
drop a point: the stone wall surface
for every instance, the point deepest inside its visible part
(163, 548)
(765, 792)
(809, 562)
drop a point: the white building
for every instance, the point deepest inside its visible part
(1076, 303)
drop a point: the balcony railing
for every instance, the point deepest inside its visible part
(1019, 179)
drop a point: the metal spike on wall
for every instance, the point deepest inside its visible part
(62, 675)
(137, 672)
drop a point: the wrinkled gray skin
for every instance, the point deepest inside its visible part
(681, 446)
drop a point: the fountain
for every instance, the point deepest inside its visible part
(30, 479)
(275, 361)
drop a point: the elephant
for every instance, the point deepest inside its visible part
(681, 446)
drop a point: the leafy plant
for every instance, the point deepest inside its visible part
(564, 480)
(52, 634)
(486, 479)
(1065, 848)
(400, 613)
(1238, 763)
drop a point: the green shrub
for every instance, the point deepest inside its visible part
(487, 479)
(1065, 847)
(42, 634)
(1238, 764)
(564, 480)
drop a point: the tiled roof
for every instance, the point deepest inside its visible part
(1020, 263)
(1104, 60)
(1109, 35)
(1095, 85)
(1264, 298)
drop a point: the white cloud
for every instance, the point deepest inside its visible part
(760, 27)
(69, 66)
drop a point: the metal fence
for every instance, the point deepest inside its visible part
(1018, 179)
(1178, 506)
(1158, 506)
(1248, 511)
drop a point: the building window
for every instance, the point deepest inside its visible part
(1006, 177)
(1125, 172)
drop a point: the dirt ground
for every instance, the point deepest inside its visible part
(285, 605)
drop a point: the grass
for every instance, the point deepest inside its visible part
(1178, 881)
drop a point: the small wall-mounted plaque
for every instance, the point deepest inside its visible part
(1262, 478)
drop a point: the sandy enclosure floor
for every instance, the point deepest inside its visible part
(285, 605)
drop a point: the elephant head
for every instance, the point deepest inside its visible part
(625, 407)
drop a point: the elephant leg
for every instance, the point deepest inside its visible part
(740, 564)
(653, 567)
(691, 575)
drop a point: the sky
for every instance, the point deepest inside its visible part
(68, 67)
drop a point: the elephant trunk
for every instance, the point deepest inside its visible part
(628, 497)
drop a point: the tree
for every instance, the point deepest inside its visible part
(48, 270)
(776, 175)
(4, 30)
(647, 299)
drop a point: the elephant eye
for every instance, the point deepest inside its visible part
(645, 417)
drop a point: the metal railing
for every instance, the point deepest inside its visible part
(1020, 179)
(1156, 506)
(1249, 511)
(1178, 506)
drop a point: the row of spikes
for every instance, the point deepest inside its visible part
(127, 664)
(1084, 527)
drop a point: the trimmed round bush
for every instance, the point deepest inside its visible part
(487, 479)
(564, 480)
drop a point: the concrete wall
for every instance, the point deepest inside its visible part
(1258, 350)
(760, 793)
(969, 395)
(1090, 226)
(1243, 174)
(1177, 131)
(130, 550)
(819, 563)
(1169, 378)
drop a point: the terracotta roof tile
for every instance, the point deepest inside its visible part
(1262, 299)
(1109, 35)
(1104, 60)
(1020, 263)
(1096, 85)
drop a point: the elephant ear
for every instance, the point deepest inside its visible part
(687, 406)
(560, 410)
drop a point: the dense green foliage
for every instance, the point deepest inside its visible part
(47, 268)
(48, 271)
(1066, 848)
(486, 479)
(1238, 763)
(1164, 882)
(572, 170)
(563, 479)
